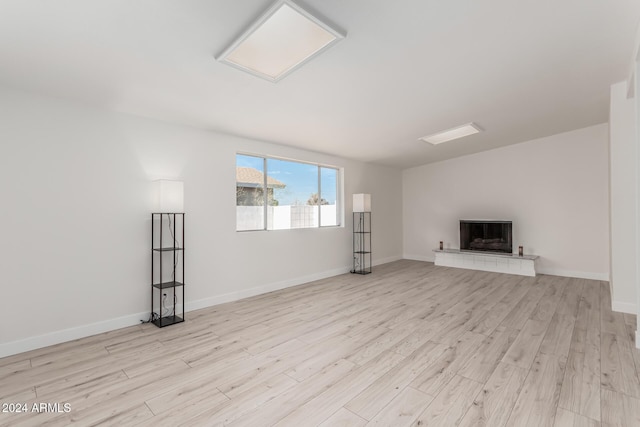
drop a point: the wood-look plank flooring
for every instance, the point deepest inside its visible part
(410, 345)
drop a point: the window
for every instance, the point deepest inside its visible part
(276, 194)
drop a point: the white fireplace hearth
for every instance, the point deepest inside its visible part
(500, 263)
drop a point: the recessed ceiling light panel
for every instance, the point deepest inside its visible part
(282, 39)
(451, 134)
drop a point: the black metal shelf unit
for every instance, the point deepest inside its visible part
(361, 243)
(167, 268)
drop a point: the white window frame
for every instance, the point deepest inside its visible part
(339, 192)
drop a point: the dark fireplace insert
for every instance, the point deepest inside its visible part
(486, 236)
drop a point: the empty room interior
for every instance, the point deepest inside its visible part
(320, 213)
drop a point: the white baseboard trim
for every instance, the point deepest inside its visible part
(386, 260)
(576, 274)
(624, 307)
(258, 290)
(549, 271)
(412, 257)
(57, 337)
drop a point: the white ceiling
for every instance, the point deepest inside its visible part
(520, 69)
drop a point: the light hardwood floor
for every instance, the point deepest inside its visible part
(411, 344)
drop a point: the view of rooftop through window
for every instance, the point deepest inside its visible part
(299, 195)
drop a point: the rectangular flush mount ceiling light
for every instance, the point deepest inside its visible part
(282, 39)
(451, 134)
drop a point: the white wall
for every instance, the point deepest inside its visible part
(554, 189)
(636, 95)
(622, 182)
(75, 218)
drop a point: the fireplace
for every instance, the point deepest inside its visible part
(486, 236)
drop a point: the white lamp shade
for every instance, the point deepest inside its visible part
(168, 196)
(362, 202)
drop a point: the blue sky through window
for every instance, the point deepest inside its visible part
(329, 184)
(249, 161)
(301, 179)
